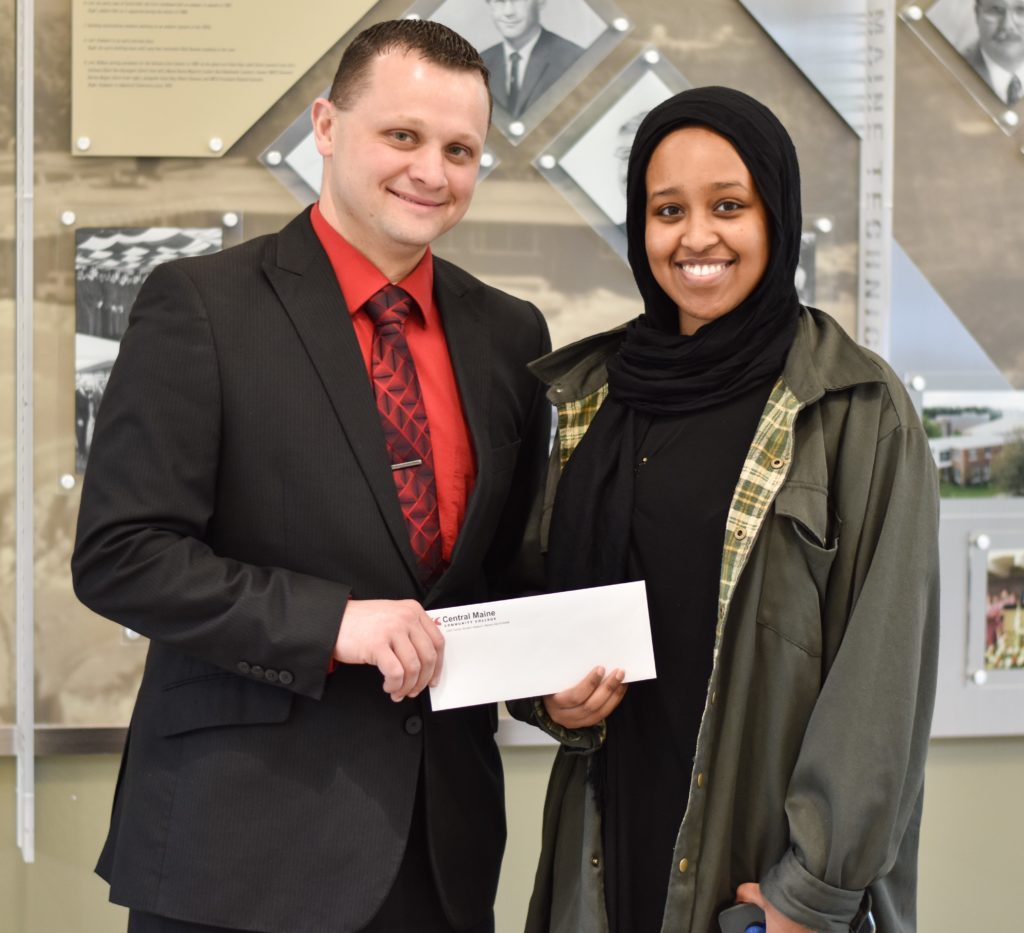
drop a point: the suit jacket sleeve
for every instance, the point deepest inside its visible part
(141, 556)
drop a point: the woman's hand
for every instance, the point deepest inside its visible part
(590, 701)
(775, 922)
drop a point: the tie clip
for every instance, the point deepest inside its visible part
(405, 465)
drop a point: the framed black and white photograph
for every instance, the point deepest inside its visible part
(293, 159)
(981, 44)
(537, 51)
(587, 161)
(111, 263)
(989, 36)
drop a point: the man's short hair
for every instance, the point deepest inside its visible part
(432, 41)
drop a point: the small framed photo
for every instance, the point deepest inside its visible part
(981, 644)
(111, 263)
(293, 159)
(587, 161)
(537, 51)
(997, 626)
(981, 42)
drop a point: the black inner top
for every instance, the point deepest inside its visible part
(687, 469)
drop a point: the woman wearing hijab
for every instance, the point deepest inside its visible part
(771, 483)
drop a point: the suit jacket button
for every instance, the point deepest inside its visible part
(256, 670)
(414, 725)
(285, 677)
(243, 667)
(270, 675)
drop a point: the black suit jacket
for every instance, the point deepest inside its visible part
(549, 60)
(238, 491)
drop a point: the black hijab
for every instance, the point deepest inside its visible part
(657, 370)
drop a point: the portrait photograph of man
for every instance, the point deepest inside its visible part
(535, 50)
(528, 59)
(989, 35)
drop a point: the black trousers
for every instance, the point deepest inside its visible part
(412, 906)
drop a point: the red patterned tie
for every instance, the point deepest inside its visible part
(406, 432)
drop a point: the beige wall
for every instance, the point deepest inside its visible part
(970, 847)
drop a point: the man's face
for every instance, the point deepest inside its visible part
(400, 164)
(517, 20)
(1001, 31)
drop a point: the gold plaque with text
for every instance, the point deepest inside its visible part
(189, 77)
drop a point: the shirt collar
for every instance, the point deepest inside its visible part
(1000, 76)
(524, 52)
(359, 279)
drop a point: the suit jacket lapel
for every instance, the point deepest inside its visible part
(305, 283)
(469, 346)
(537, 65)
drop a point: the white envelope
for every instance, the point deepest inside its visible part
(538, 645)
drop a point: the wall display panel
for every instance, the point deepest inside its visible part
(957, 209)
(519, 234)
(293, 159)
(555, 47)
(193, 76)
(7, 358)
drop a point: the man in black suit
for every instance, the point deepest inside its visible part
(529, 59)
(245, 509)
(998, 55)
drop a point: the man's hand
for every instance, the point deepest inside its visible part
(775, 922)
(396, 636)
(590, 701)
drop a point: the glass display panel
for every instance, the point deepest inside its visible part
(982, 45)
(519, 234)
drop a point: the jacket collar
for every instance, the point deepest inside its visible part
(819, 361)
(824, 358)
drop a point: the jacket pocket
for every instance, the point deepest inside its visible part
(802, 539)
(221, 700)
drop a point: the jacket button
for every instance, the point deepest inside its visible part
(256, 670)
(243, 667)
(700, 779)
(777, 462)
(684, 864)
(285, 677)
(414, 725)
(740, 534)
(270, 675)
(595, 861)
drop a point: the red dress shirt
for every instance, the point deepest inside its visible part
(454, 462)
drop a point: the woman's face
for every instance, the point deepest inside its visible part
(707, 229)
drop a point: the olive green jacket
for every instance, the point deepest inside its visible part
(810, 757)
